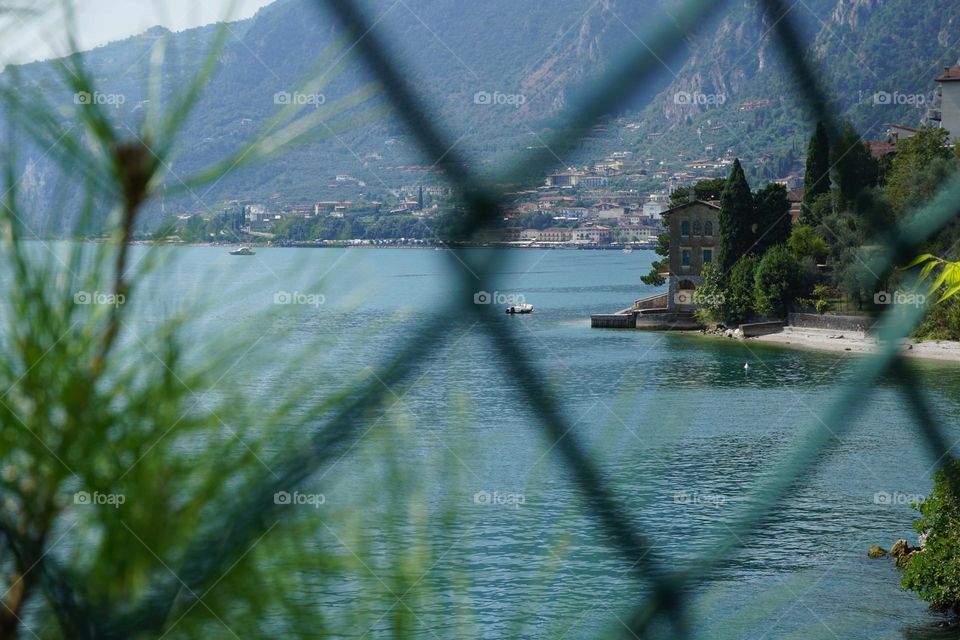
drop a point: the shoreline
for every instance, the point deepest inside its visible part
(854, 343)
(441, 247)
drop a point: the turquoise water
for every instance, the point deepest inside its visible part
(680, 430)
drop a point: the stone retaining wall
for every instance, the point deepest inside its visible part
(755, 329)
(832, 322)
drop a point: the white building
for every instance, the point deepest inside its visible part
(657, 204)
(949, 83)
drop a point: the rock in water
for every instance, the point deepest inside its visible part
(902, 552)
(876, 551)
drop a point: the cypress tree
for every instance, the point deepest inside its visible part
(772, 214)
(736, 219)
(855, 168)
(816, 176)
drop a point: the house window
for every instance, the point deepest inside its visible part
(697, 231)
(685, 257)
(707, 256)
(708, 228)
(684, 227)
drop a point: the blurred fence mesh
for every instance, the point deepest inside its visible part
(662, 588)
(665, 587)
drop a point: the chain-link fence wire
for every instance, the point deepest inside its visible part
(663, 608)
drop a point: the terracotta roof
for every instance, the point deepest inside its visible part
(950, 74)
(880, 148)
(687, 204)
(795, 195)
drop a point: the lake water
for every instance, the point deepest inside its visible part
(679, 428)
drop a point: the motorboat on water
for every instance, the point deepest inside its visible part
(243, 251)
(520, 308)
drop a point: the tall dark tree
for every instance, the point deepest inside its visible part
(854, 167)
(816, 176)
(736, 219)
(772, 216)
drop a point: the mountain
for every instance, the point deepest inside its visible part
(496, 75)
(875, 59)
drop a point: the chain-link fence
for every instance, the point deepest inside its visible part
(664, 613)
(667, 588)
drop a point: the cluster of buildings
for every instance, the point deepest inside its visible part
(589, 235)
(603, 204)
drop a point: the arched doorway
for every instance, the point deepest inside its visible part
(685, 293)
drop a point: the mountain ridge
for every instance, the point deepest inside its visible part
(543, 57)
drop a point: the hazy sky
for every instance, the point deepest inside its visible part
(101, 21)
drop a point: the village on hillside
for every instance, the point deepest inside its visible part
(615, 202)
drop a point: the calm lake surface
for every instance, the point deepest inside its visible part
(681, 431)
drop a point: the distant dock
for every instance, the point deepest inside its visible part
(651, 313)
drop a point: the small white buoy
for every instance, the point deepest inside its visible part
(746, 365)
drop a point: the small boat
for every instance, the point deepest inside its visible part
(243, 251)
(520, 308)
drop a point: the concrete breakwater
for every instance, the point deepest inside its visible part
(651, 313)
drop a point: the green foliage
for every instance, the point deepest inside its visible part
(711, 296)
(942, 279)
(535, 220)
(663, 245)
(215, 228)
(846, 233)
(854, 167)
(942, 321)
(736, 219)
(772, 217)
(654, 278)
(777, 282)
(679, 196)
(138, 479)
(711, 189)
(805, 242)
(739, 297)
(816, 176)
(947, 281)
(821, 208)
(934, 572)
(705, 190)
(822, 298)
(922, 162)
